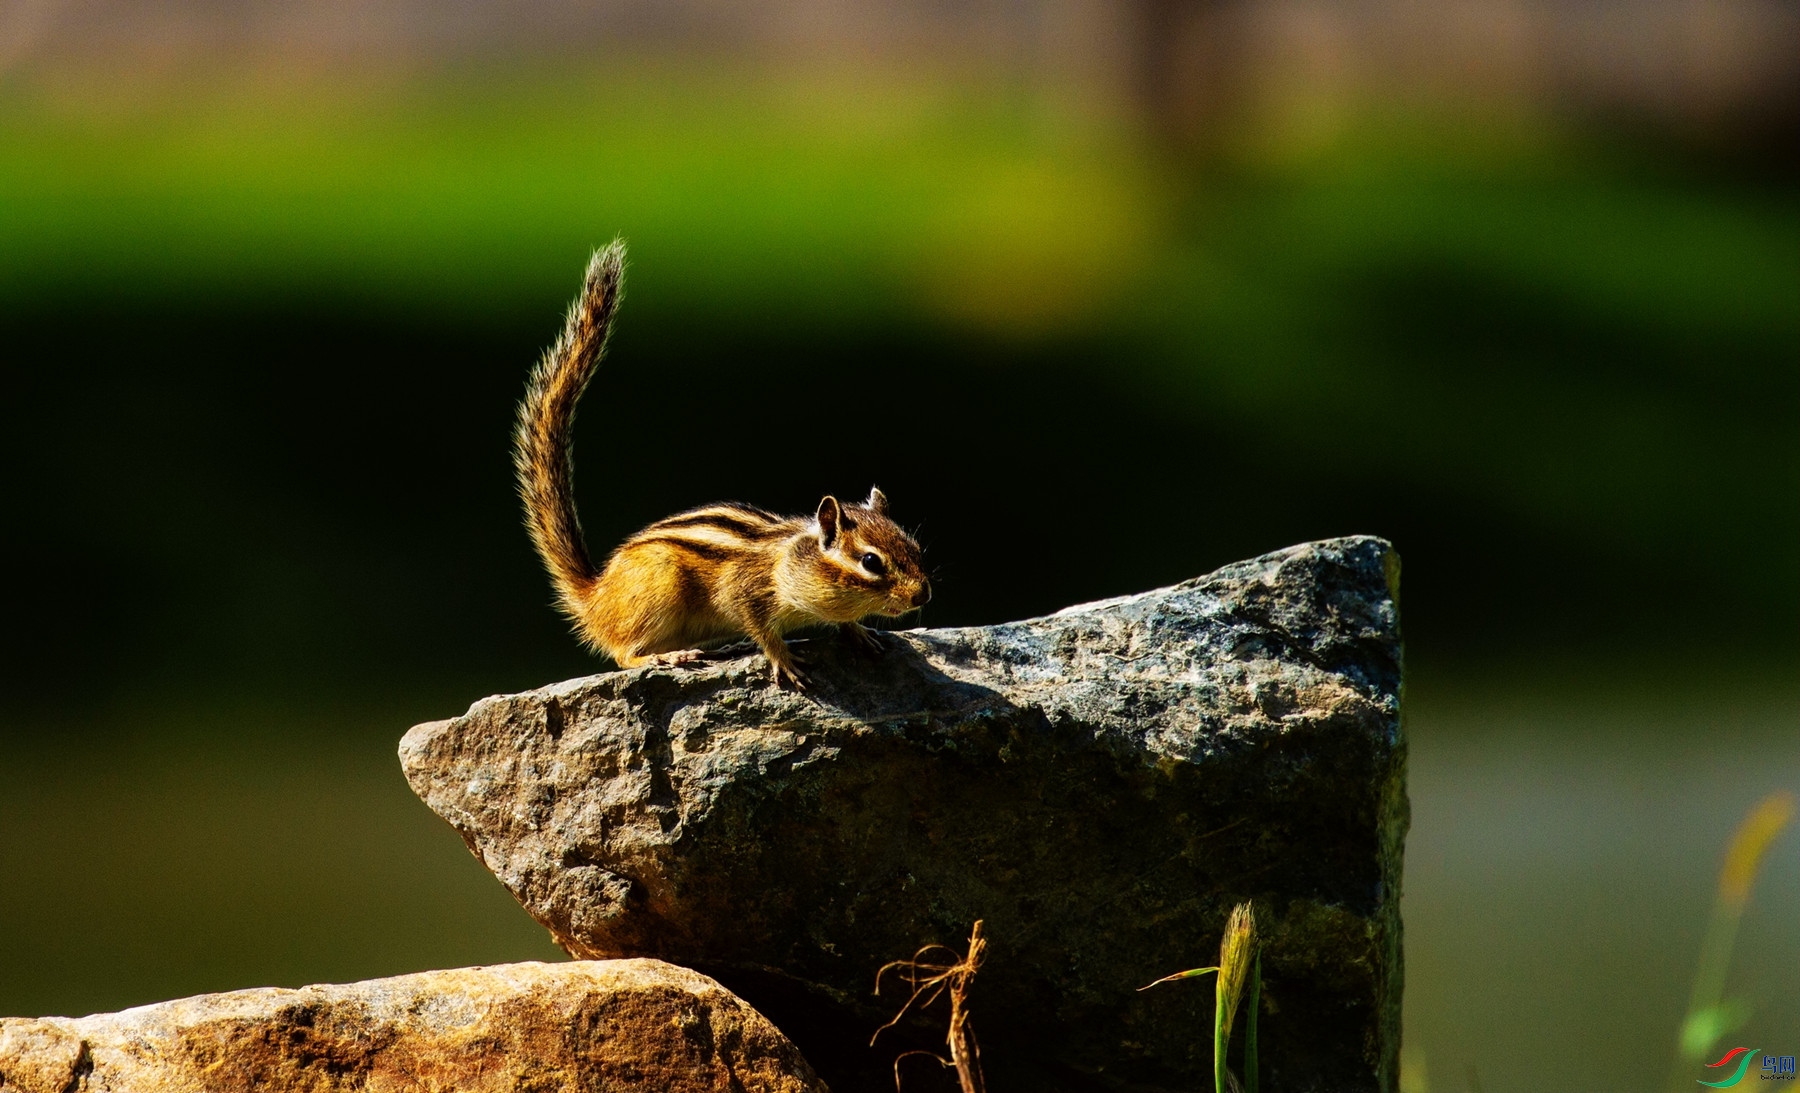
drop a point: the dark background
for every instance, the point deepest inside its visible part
(302, 497)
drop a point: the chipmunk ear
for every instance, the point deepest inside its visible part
(829, 515)
(877, 502)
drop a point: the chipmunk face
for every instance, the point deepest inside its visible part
(873, 567)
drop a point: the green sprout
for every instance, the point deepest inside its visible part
(1240, 966)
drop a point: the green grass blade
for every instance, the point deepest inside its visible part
(1191, 973)
(1219, 1042)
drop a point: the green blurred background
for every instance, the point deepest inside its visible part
(1103, 295)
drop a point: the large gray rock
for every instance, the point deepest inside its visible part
(624, 1026)
(1100, 786)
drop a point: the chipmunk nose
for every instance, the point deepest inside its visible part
(923, 595)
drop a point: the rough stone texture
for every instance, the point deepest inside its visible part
(1100, 786)
(622, 1026)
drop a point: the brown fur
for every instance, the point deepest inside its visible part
(710, 573)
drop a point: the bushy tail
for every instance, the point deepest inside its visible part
(541, 454)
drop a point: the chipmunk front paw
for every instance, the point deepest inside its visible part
(789, 676)
(860, 637)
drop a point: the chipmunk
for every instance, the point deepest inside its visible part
(707, 574)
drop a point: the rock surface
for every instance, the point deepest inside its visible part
(624, 1026)
(1100, 786)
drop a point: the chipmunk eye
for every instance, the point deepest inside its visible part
(874, 564)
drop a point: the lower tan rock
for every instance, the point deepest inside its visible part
(622, 1026)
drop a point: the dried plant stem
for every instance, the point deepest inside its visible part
(930, 980)
(964, 1051)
